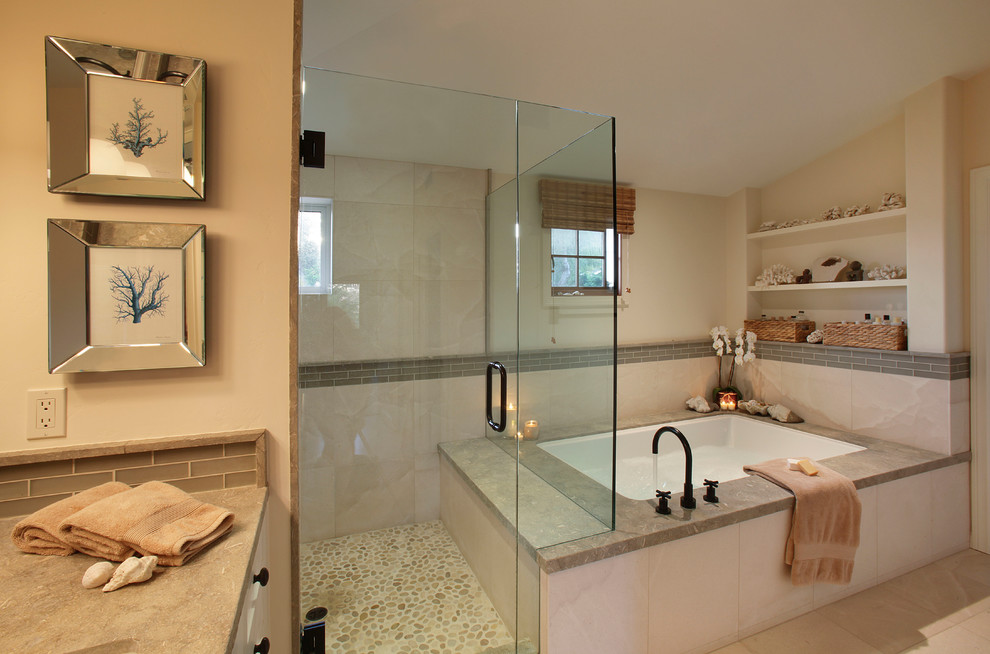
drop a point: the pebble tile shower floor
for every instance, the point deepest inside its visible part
(399, 590)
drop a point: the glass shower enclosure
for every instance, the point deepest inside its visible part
(437, 351)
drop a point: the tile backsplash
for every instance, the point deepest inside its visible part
(33, 479)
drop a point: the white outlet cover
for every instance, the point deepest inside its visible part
(57, 430)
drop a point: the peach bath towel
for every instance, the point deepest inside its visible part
(38, 533)
(154, 518)
(821, 546)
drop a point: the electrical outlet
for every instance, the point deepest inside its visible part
(46, 414)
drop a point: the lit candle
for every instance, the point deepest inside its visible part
(512, 418)
(727, 401)
(531, 429)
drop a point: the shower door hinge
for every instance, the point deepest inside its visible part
(312, 145)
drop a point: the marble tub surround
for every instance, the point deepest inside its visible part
(482, 464)
(931, 414)
(724, 563)
(32, 479)
(45, 607)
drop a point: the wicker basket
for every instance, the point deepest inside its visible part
(786, 331)
(877, 337)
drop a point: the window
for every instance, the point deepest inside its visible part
(315, 218)
(582, 262)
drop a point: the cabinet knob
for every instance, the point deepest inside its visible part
(262, 647)
(262, 577)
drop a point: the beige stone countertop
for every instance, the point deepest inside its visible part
(190, 609)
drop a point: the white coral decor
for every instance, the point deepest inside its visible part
(775, 275)
(887, 271)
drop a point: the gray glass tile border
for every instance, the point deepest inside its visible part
(954, 365)
(914, 364)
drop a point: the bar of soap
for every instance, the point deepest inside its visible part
(804, 465)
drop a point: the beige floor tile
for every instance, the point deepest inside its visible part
(882, 618)
(971, 563)
(952, 641)
(812, 633)
(734, 648)
(979, 624)
(947, 591)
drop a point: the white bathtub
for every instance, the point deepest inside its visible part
(721, 445)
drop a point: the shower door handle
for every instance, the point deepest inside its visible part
(500, 425)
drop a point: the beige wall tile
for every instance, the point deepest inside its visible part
(228, 464)
(32, 470)
(702, 573)
(197, 484)
(189, 454)
(766, 595)
(113, 462)
(13, 489)
(151, 473)
(12, 508)
(238, 449)
(904, 536)
(51, 485)
(236, 479)
(602, 602)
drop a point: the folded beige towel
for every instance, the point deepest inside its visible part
(825, 525)
(38, 533)
(154, 518)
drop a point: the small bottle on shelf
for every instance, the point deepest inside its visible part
(867, 319)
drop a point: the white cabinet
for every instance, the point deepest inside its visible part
(873, 239)
(254, 622)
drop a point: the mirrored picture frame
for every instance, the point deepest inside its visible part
(125, 295)
(124, 122)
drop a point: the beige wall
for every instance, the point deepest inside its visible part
(677, 263)
(246, 380)
(975, 153)
(857, 172)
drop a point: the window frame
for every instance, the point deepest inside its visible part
(323, 206)
(587, 300)
(584, 291)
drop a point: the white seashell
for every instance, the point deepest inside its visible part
(816, 336)
(754, 407)
(97, 574)
(781, 413)
(132, 571)
(699, 404)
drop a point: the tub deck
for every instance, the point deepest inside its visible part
(560, 534)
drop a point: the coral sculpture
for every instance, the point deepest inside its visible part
(832, 213)
(891, 201)
(816, 336)
(887, 271)
(856, 210)
(775, 275)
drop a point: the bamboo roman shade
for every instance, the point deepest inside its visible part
(577, 205)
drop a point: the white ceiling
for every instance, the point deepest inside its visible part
(709, 96)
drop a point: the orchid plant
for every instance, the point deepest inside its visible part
(745, 351)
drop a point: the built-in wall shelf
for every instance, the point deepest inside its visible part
(825, 286)
(892, 220)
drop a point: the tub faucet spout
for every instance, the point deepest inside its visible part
(687, 499)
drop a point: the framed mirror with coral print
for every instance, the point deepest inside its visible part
(125, 296)
(123, 121)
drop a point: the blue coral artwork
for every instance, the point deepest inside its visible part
(135, 128)
(135, 296)
(136, 291)
(136, 135)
